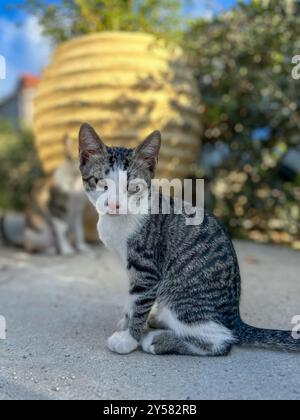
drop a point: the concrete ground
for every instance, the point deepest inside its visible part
(59, 313)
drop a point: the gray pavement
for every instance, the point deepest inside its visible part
(60, 311)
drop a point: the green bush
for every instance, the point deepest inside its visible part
(69, 18)
(243, 63)
(19, 167)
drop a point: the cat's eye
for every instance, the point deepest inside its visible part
(102, 184)
(90, 178)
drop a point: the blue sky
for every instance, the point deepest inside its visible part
(27, 51)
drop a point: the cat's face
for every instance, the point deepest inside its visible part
(115, 177)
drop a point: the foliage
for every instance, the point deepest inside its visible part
(243, 62)
(69, 18)
(19, 167)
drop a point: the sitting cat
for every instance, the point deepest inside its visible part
(190, 273)
(54, 216)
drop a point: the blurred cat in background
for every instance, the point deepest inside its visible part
(54, 218)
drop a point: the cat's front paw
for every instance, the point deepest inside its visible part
(122, 342)
(67, 251)
(83, 248)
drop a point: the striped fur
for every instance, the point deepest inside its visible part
(191, 273)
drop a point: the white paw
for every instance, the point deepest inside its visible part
(83, 248)
(67, 252)
(147, 343)
(122, 342)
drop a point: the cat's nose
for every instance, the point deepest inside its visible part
(113, 206)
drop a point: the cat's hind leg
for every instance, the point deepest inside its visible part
(166, 342)
(202, 338)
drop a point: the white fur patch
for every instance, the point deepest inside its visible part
(122, 342)
(114, 231)
(123, 323)
(130, 304)
(211, 332)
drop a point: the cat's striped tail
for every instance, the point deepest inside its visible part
(268, 339)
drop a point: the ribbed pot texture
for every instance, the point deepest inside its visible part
(126, 85)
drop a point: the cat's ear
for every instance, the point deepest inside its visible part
(148, 151)
(90, 144)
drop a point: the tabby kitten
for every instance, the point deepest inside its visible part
(54, 216)
(188, 276)
(66, 205)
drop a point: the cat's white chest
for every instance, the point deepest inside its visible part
(114, 232)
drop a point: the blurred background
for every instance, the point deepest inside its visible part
(215, 76)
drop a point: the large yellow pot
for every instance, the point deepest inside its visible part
(125, 84)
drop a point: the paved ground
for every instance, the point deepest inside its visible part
(60, 311)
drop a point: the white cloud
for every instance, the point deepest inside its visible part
(25, 49)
